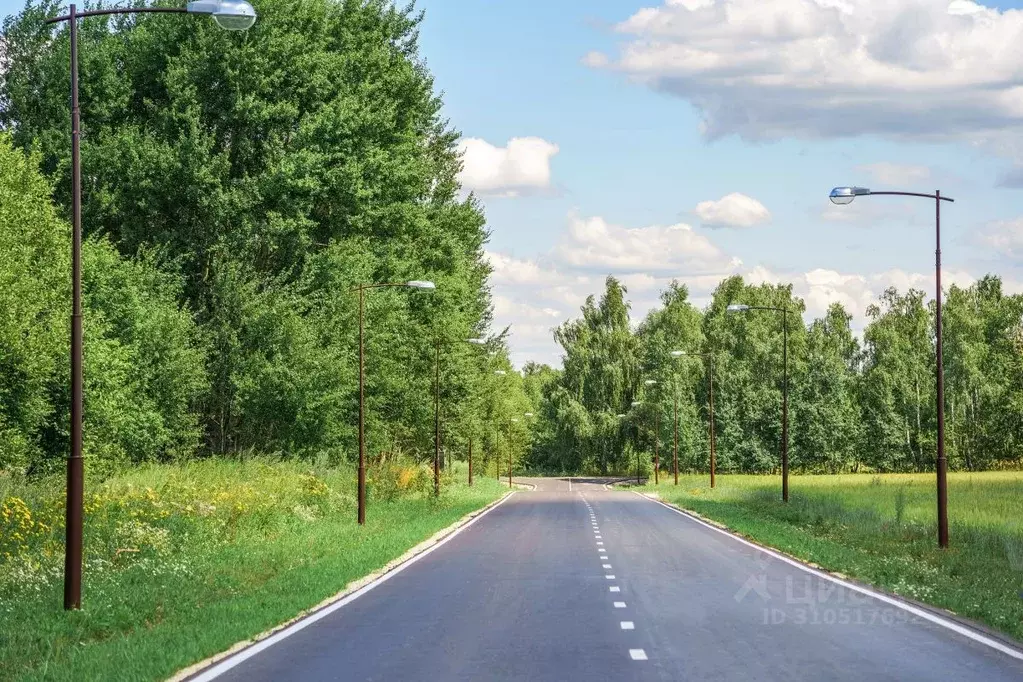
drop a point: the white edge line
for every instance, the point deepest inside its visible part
(223, 666)
(570, 484)
(969, 633)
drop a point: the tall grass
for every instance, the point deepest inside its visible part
(183, 561)
(883, 530)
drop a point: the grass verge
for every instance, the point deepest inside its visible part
(882, 530)
(184, 561)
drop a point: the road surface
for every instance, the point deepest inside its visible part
(595, 584)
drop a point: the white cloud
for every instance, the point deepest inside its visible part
(592, 244)
(535, 295)
(1006, 236)
(732, 210)
(768, 69)
(523, 166)
(896, 173)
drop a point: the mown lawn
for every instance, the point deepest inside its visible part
(184, 561)
(883, 530)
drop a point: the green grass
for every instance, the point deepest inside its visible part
(224, 551)
(883, 530)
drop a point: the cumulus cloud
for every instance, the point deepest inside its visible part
(768, 69)
(520, 167)
(732, 210)
(592, 244)
(1005, 237)
(899, 174)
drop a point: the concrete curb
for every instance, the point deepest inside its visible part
(350, 588)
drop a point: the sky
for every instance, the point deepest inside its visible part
(697, 139)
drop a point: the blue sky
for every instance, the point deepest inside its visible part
(798, 96)
(633, 155)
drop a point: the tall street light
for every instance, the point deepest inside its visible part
(513, 420)
(476, 342)
(414, 284)
(497, 459)
(710, 358)
(845, 195)
(657, 437)
(740, 308)
(637, 403)
(676, 354)
(233, 15)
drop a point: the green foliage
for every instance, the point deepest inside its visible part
(144, 361)
(167, 546)
(850, 408)
(274, 170)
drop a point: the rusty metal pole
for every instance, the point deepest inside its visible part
(509, 466)
(942, 463)
(75, 467)
(676, 434)
(436, 420)
(785, 409)
(470, 460)
(712, 458)
(362, 407)
(657, 441)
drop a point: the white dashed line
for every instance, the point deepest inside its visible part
(615, 588)
(600, 543)
(637, 654)
(607, 566)
(628, 625)
(619, 605)
(609, 577)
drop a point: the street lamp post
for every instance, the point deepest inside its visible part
(710, 359)
(415, 284)
(233, 15)
(676, 354)
(476, 342)
(497, 460)
(845, 195)
(637, 403)
(657, 434)
(740, 308)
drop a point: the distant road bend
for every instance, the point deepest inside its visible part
(572, 581)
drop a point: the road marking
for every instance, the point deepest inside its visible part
(619, 605)
(609, 577)
(922, 613)
(600, 543)
(603, 557)
(570, 485)
(607, 565)
(615, 588)
(637, 654)
(221, 667)
(628, 625)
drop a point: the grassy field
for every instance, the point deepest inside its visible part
(237, 547)
(883, 530)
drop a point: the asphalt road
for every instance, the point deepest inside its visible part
(591, 584)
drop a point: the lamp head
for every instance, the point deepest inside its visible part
(478, 342)
(421, 284)
(528, 414)
(649, 382)
(637, 403)
(677, 353)
(737, 308)
(845, 195)
(500, 372)
(231, 15)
